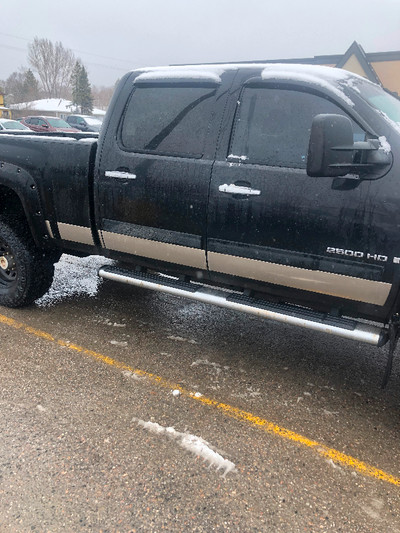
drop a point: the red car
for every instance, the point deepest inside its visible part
(48, 124)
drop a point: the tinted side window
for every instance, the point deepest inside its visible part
(168, 120)
(272, 126)
(71, 120)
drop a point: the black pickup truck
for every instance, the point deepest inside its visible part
(266, 188)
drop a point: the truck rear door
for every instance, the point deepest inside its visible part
(154, 173)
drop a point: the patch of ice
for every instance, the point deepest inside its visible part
(238, 157)
(246, 395)
(176, 338)
(330, 413)
(191, 443)
(122, 344)
(334, 465)
(131, 375)
(181, 339)
(206, 362)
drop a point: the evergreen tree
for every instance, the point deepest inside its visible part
(30, 87)
(75, 83)
(81, 89)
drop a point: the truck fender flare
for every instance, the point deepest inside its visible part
(24, 186)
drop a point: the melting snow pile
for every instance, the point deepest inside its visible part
(193, 444)
(73, 276)
(385, 145)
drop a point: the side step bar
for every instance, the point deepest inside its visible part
(289, 314)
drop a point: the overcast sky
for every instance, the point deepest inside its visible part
(112, 37)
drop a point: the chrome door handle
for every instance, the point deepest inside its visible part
(120, 175)
(238, 189)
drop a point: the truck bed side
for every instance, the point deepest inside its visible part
(50, 179)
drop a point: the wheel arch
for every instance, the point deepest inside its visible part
(10, 203)
(20, 199)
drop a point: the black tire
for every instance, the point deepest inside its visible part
(25, 271)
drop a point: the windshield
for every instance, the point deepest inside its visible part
(380, 99)
(58, 123)
(13, 125)
(93, 121)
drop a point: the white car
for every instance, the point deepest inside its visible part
(12, 125)
(84, 123)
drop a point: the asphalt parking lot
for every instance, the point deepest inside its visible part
(128, 410)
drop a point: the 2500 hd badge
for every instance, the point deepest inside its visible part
(360, 255)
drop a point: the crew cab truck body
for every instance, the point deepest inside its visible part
(278, 182)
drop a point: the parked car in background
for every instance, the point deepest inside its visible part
(47, 124)
(11, 125)
(84, 122)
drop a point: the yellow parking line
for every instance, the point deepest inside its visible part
(233, 412)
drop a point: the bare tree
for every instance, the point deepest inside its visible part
(102, 96)
(54, 65)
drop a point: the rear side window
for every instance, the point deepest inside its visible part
(168, 120)
(272, 126)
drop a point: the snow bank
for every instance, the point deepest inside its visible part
(51, 105)
(73, 276)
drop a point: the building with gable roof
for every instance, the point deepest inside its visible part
(379, 67)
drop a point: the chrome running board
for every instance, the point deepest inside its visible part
(288, 314)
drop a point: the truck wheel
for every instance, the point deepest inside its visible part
(25, 272)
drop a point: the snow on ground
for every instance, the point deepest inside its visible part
(193, 444)
(74, 276)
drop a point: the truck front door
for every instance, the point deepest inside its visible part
(317, 238)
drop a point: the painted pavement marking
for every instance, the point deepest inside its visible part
(228, 410)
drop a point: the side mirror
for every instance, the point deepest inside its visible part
(327, 133)
(332, 151)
